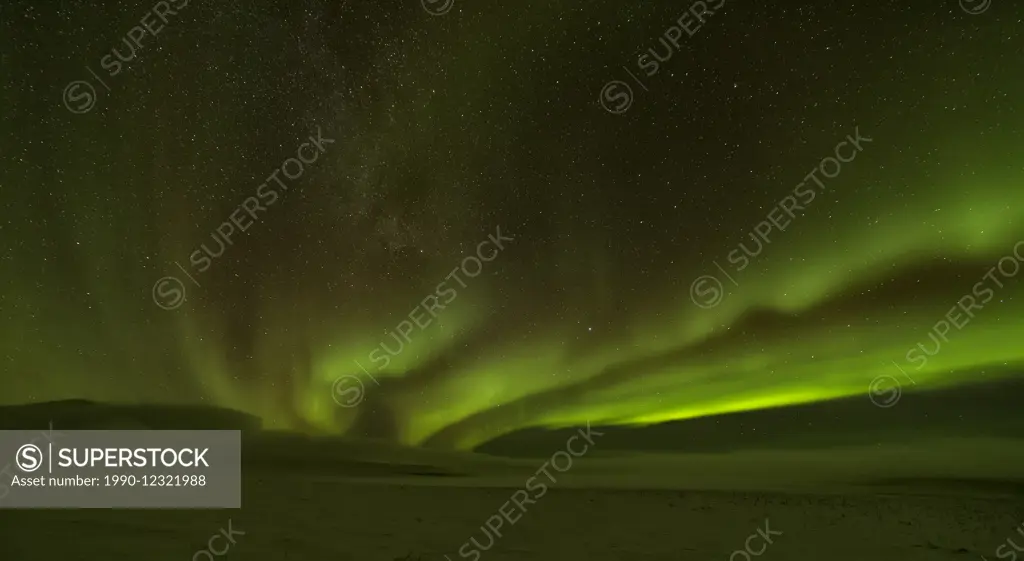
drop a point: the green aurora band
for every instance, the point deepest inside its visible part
(571, 323)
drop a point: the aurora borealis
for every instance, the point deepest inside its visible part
(449, 127)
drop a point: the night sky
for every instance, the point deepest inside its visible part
(583, 176)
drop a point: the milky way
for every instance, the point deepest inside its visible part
(482, 245)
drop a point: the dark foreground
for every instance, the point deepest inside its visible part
(290, 517)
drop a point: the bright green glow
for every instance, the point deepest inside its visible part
(88, 329)
(835, 360)
(655, 368)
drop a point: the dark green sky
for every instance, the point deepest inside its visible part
(449, 127)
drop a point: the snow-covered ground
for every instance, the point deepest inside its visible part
(290, 518)
(951, 500)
